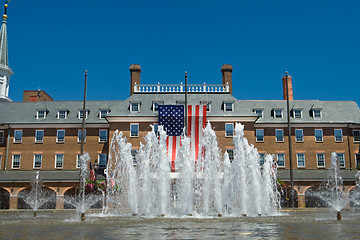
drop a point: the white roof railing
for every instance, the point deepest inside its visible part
(176, 88)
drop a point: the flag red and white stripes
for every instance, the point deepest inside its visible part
(92, 173)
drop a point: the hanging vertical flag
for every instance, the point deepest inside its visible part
(172, 118)
(92, 173)
(196, 123)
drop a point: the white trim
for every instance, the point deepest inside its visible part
(40, 162)
(133, 124)
(302, 134)
(303, 125)
(232, 106)
(282, 113)
(232, 124)
(105, 156)
(3, 137)
(297, 109)
(277, 160)
(102, 110)
(317, 109)
(358, 130)
(62, 125)
(282, 130)
(259, 109)
(263, 134)
(57, 133)
(38, 130)
(58, 114)
(86, 114)
(155, 119)
(106, 135)
(41, 110)
(317, 160)
(62, 161)
(77, 165)
(297, 161)
(131, 106)
(15, 135)
(342, 136)
(0, 160)
(79, 136)
(337, 154)
(12, 161)
(322, 134)
(230, 119)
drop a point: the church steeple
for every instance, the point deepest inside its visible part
(5, 70)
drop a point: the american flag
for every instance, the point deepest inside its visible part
(172, 118)
(92, 173)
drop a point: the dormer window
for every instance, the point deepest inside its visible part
(278, 113)
(228, 106)
(155, 106)
(103, 113)
(297, 113)
(259, 112)
(62, 114)
(41, 114)
(134, 107)
(317, 113)
(81, 114)
(208, 105)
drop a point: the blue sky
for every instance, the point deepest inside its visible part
(51, 43)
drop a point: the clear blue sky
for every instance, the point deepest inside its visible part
(51, 43)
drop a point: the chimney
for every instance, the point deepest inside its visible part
(135, 71)
(291, 95)
(226, 71)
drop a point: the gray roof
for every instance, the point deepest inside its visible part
(3, 45)
(27, 176)
(314, 174)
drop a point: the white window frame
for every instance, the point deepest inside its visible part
(101, 115)
(131, 106)
(138, 129)
(357, 155)
(282, 113)
(232, 126)
(317, 160)
(342, 136)
(58, 114)
(79, 136)
(42, 140)
(2, 137)
(15, 131)
(57, 135)
(77, 161)
(86, 114)
(208, 105)
(38, 115)
(232, 106)
(12, 162)
(313, 112)
(302, 134)
(277, 160)
(263, 134)
(261, 110)
(356, 141)
(294, 115)
(0, 160)
(153, 107)
(62, 163)
(343, 154)
(297, 160)
(35, 167)
(231, 156)
(106, 136)
(261, 159)
(322, 135)
(282, 134)
(102, 154)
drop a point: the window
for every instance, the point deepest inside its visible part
(78, 160)
(228, 106)
(102, 160)
(41, 114)
(280, 159)
(259, 112)
(133, 154)
(0, 160)
(59, 160)
(134, 107)
(16, 161)
(134, 129)
(208, 105)
(103, 113)
(18, 136)
(279, 134)
(60, 136)
(81, 113)
(229, 129)
(316, 113)
(320, 159)
(103, 135)
(262, 158)
(299, 135)
(1, 137)
(318, 135)
(80, 135)
(259, 135)
(37, 160)
(356, 135)
(155, 106)
(297, 113)
(357, 160)
(278, 113)
(300, 160)
(338, 135)
(231, 154)
(39, 136)
(62, 114)
(156, 129)
(341, 158)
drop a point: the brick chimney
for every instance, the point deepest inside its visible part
(291, 95)
(135, 71)
(226, 71)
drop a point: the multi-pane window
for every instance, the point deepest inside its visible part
(80, 135)
(278, 113)
(41, 114)
(228, 106)
(60, 136)
(16, 161)
(279, 134)
(134, 107)
(280, 159)
(78, 160)
(338, 135)
(59, 160)
(39, 136)
(1, 137)
(259, 112)
(320, 159)
(356, 135)
(155, 105)
(208, 106)
(357, 160)
(103, 113)
(341, 158)
(259, 135)
(229, 129)
(297, 113)
(103, 135)
(81, 114)
(300, 160)
(316, 113)
(62, 114)
(134, 129)
(261, 159)
(299, 135)
(318, 135)
(37, 160)
(156, 129)
(0, 160)
(102, 157)
(133, 154)
(18, 136)
(231, 154)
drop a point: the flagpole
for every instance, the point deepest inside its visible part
(81, 182)
(186, 107)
